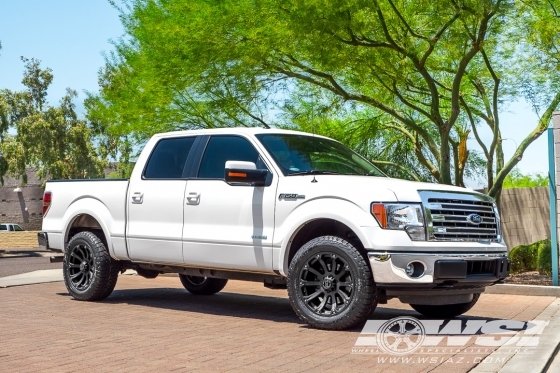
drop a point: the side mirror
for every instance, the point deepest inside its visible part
(238, 172)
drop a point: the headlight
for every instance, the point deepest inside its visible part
(402, 216)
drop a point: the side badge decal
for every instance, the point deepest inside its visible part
(290, 196)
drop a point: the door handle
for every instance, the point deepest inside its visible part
(193, 198)
(137, 197)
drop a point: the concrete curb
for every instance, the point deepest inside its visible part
(30, 278)
(508, 359)
(20, 253)
(514, 289)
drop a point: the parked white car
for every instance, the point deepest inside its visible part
(10, 227)
(285, 208)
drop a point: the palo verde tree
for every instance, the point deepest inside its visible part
(53, 139)
(418, 77)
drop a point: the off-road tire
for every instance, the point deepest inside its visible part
(357, 301)
(203, 285)
(445, 311)
(94, 280)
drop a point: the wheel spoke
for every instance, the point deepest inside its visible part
(73, 266)
(333, 304)
(322, 263)
(312, 296)
(310, 283)
(342, 295)
(322, 305)
(75, 275)
(315, 272)
(345, 284)
(75, 254)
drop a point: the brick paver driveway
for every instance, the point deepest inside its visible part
(156, 326)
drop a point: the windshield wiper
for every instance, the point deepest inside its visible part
(315, 172)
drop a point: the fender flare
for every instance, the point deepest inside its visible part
(343, 211)
(89, 205)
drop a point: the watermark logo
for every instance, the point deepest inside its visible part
(407, 335)
(401, 335)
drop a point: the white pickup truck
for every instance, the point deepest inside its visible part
(284, 208)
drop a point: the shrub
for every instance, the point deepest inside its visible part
(533, 257)
(524, 258)
(544, 260)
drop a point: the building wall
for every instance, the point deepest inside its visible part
(525, 214)
(24, 208)
(18, 240)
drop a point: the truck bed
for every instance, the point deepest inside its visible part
(69, 197)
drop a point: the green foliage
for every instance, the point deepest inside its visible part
(516, 179)
(524, 258)
(404, 87)
(533, 257)
(53, 139)
(544, 261)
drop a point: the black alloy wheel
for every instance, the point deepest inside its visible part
(330, 284)
(81, 267)
(326, 284)
(89, 272)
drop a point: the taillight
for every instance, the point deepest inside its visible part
(47, 200)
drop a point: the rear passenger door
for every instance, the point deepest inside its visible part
(155, 204)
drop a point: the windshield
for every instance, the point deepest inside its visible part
(300, 154)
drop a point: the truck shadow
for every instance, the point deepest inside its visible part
(260, 307)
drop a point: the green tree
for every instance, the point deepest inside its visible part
(407, 82)
(53, 139)
(515, 179)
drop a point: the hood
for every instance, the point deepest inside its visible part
(379, 188)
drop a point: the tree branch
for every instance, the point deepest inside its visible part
(516, 158)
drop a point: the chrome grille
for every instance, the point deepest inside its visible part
(448, 218)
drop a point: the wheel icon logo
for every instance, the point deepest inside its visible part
(401, 335)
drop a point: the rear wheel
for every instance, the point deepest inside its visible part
(330, 284)
(89, 272)
(445, 311)
(203, 285)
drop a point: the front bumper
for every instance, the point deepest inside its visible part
(441, 271)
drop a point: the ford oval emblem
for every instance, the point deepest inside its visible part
(474, 219)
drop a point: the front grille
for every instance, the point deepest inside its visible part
(450, 220)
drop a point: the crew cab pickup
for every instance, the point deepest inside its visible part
(288, 209)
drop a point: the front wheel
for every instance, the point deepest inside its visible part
(330, 284)
(445, 311)
(89, 272)
(202, 285)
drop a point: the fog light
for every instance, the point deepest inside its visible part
(415, 269)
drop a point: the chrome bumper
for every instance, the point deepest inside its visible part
(389, 269)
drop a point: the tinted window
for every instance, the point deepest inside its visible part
(221, 149)
(299, 154)
(17, 228)
(168, 158)
(3, 227)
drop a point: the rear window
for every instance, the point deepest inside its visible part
(3, 227)
(168, 158)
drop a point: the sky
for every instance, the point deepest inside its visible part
(70, 37)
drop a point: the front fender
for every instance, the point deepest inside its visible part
(343, 211)
(98, 210)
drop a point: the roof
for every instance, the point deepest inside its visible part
(235, 130)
